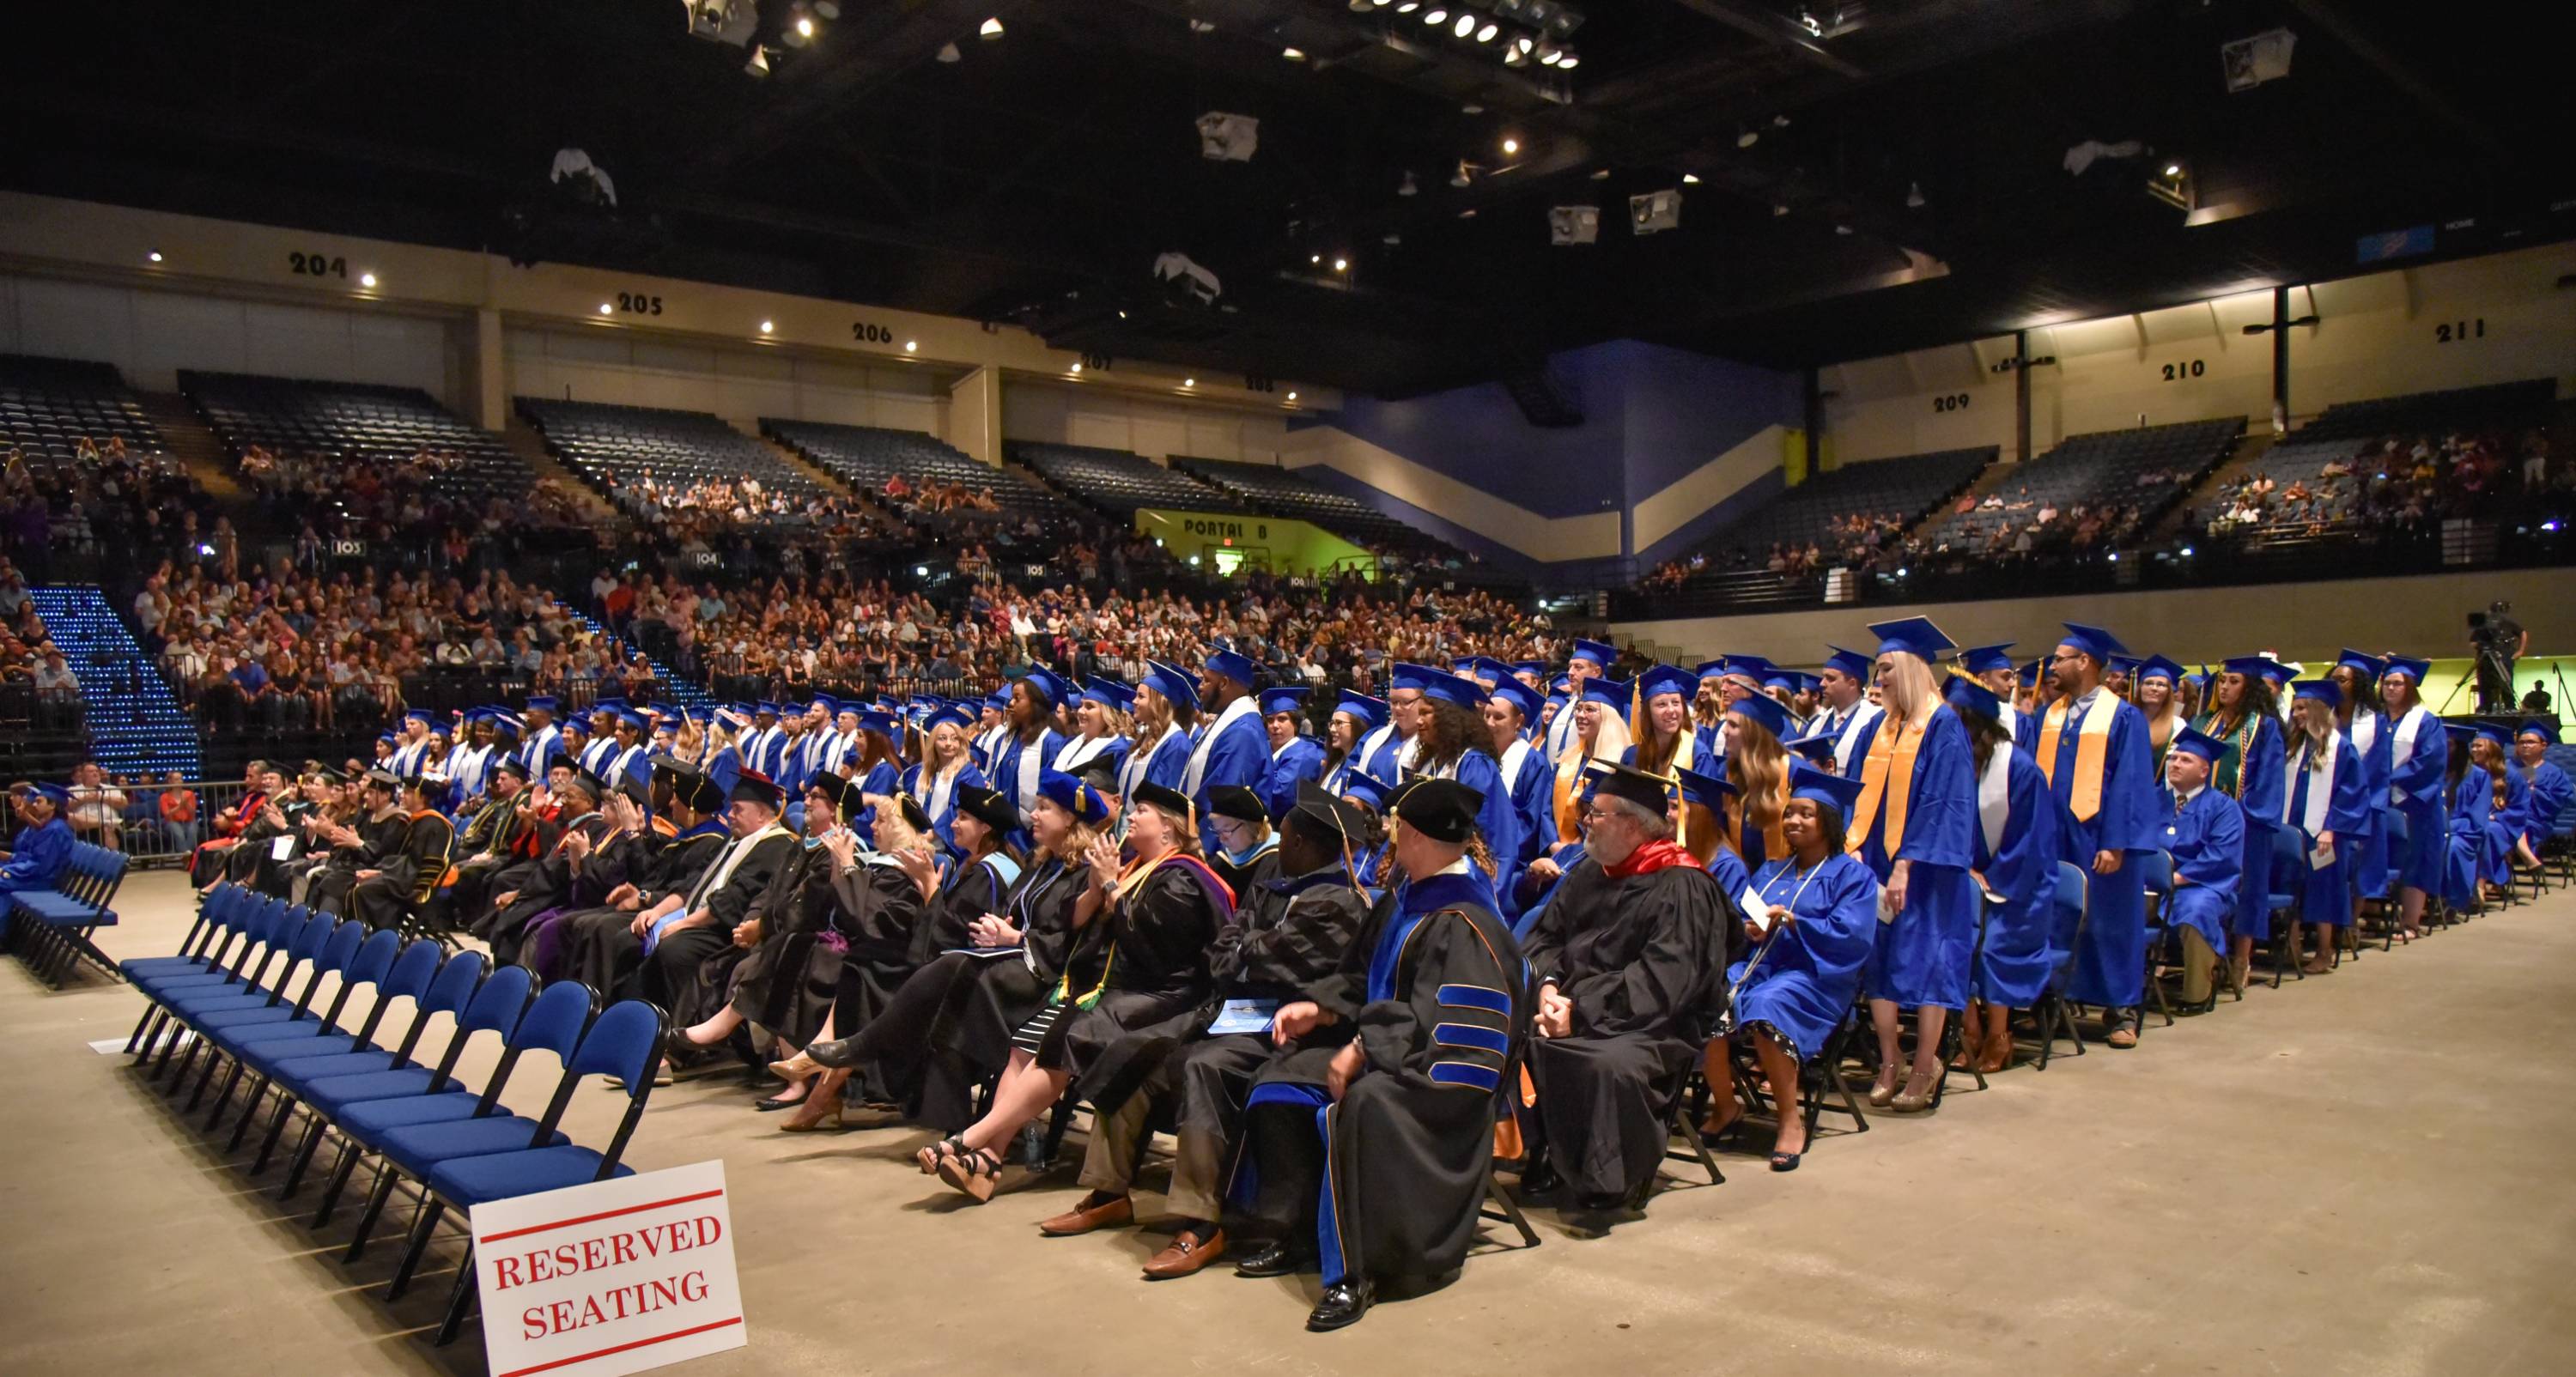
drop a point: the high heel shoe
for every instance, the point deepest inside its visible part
(1913, 1101)
(829, 1121)
(835, 1054)
(1883, 1093)
(973, 1175)
(795, 1068)
(929, 1158)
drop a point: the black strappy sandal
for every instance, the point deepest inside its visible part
(974, 1175)
(929, 1158)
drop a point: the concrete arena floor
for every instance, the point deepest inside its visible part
(2360, 1174)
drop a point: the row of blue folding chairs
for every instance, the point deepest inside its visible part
(51, 929)
(243, 994)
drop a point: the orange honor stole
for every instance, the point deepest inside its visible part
(2092, 747)
(1886, 778)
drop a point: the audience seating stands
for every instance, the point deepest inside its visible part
(616, 447)
(1276, 491)
(2095, 468)
(1903, 489)
(292, 417)
(335, 1065)
(1118, 482)
(48, 405)
(133, 719)
(866, 456)
(2357, 431)
(50, 929)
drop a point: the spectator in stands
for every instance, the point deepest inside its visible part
(97, 807)
(177, 807)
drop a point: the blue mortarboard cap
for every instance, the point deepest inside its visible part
(1232, 666)
(1823, 787)
(2322, 690)
(1463, 665)
(1786, 680)
(952, 715)
(1766, 711)
(1752, 667)
(1453, 688)
(2199, 743)
(541, 702)
(1278, 700)
(388, 739)
(2494, 733)
(1985, 659)
(2413, 669)
(2125, 664)
(576, 725)
(885, 724)
(1369, 712)
(2461, 731)
(2251, 666)
(2030, 673)
(1915, 636)
(56, 792)
(1173, 682)
(2538, 728)
(1109, 693)
(421, 715)
(1708, 791)
(1819, 748)
(2362, 660)
(1849, 662)
(1595, 652)
(1607, 692)
(1659, 679)
(766, 708)
(1043, 682)
(998, 699)
(1967, 695)
(1408, 677)
(1534, 668)
(1560, 686)
(2093, 641)
(1711, 669)
(2157, 667)
(1367, 788)
(631, 718)
(1073, 796)
(1519, 695)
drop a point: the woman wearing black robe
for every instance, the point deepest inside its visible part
(955, 1016)
(1141, 956)
(1626, 972)
(1368, 1143)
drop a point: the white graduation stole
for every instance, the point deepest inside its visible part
(1850, 737)
(1369, 746)
(1078, 752)
(1196, 773)
(2401, 747)
(2320, 785)
(1514, 756)
(1994, 798)
(1032, 763)
(1131, 771)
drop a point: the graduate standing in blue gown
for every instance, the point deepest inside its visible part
(2092, 745)
(2418, 789)
(2356, 679)
(947, 769)
(1914, 827)
(1029, 742)
(2015, 860)
(1527, 779)
(1812, 938)
(2246, 715)
(1167, 707)
(1450, 720)
(2204, 835)
(1232, 748)
(1353, 719)
(1294, 756)
(2329, 802)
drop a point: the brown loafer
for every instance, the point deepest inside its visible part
(1185, 1254)
(1116, 1210)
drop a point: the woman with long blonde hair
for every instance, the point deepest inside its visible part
(2331, 805)
(1600, 733)
(946, 768)
(1758, 766)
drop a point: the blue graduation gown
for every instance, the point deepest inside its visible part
(2370, 860)
(726, 769)
(38, 858)
(2551, 791)
(942, 811)
(1378, 751)
(2327, 894)
(2470, 851)
(1533, 795)
(2111, 947)
(1301, 759)
(1803, 981)
(2206, 838)
(1497, 818)
(2419, 788)
(2020, 952)
(2507, 825)
(1163, 764)
(2258, 792)
(1007, 772)
(1922, 957)
(1239, 755)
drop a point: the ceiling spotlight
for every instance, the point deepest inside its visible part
(1292, 54)
(1076, 368)
(1189, 382)
(1435, 15)
(1914, 195)
(1778, 209)
(1842, 229)
(1341, 265)
(366, 279)
(804, 26)
(1511, 146)
(1779, 121)
(1122, 315)
(1603, 174)
(1466, 25)
(990, 28)
(153, 257)
(1380, 4)
(948, 53)
(1408, 7)
(1201, 26)
(827, 9)
(1566, 63)
(1514, 57)
(1486, 33)
(1393, 238)
(1747, 139)
(1459, 177)
(1406, 187)
(1292, 396)
(605, 308)
(1524, 44)
(759, 64)
(1468, 214)
(1314, 258)
(912, 346)
(2173, 169)
(1471, 108)
(1690, 179)
(767, 326)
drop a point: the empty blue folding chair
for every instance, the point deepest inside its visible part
(449, 990)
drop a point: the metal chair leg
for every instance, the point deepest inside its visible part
(341, 1171)
(460, 1299)
(376, 1198)
(420, 1234)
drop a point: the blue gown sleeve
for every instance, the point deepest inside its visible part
(1170, 761)
(1941, 818)
(2353, 804)
(2127, 821)
(2214, 854)
(1497, 818)
(2420, 778)
(2029, 855)
(1534, 798)
(2263, 773)
(1837, 919)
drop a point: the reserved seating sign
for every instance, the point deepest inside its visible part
(618, 1276)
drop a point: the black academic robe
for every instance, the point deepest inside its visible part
(1642, 959)
(1434, 993)
(380, 839)
(486, 845)
(669, 972)
(783, 983)
(255, 862)
(1140, 961)
(958, 1012)
(386, 900)
(1287, 934)
(597, 945)
(546, 883)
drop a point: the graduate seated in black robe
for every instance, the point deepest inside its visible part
(1370, 1137)
(754, 983)
(1244, 838)
(376, 839)
(396, 892)
(1627, 976)
(680, 932)
(888, 1035)
(1140, 956)
(494, 836)
(599, 946)
(1290, 931)
(547, 883)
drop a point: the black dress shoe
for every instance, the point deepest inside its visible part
(1276, 1258)
(1342, 1305)
(1540, 1180)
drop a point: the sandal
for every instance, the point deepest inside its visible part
(1716, 1131)
(974, 1175)
(945, 1150)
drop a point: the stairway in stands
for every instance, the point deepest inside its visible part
(674, 690)
(135, 722)
(185, 435)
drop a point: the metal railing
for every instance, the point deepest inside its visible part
(144, 831)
